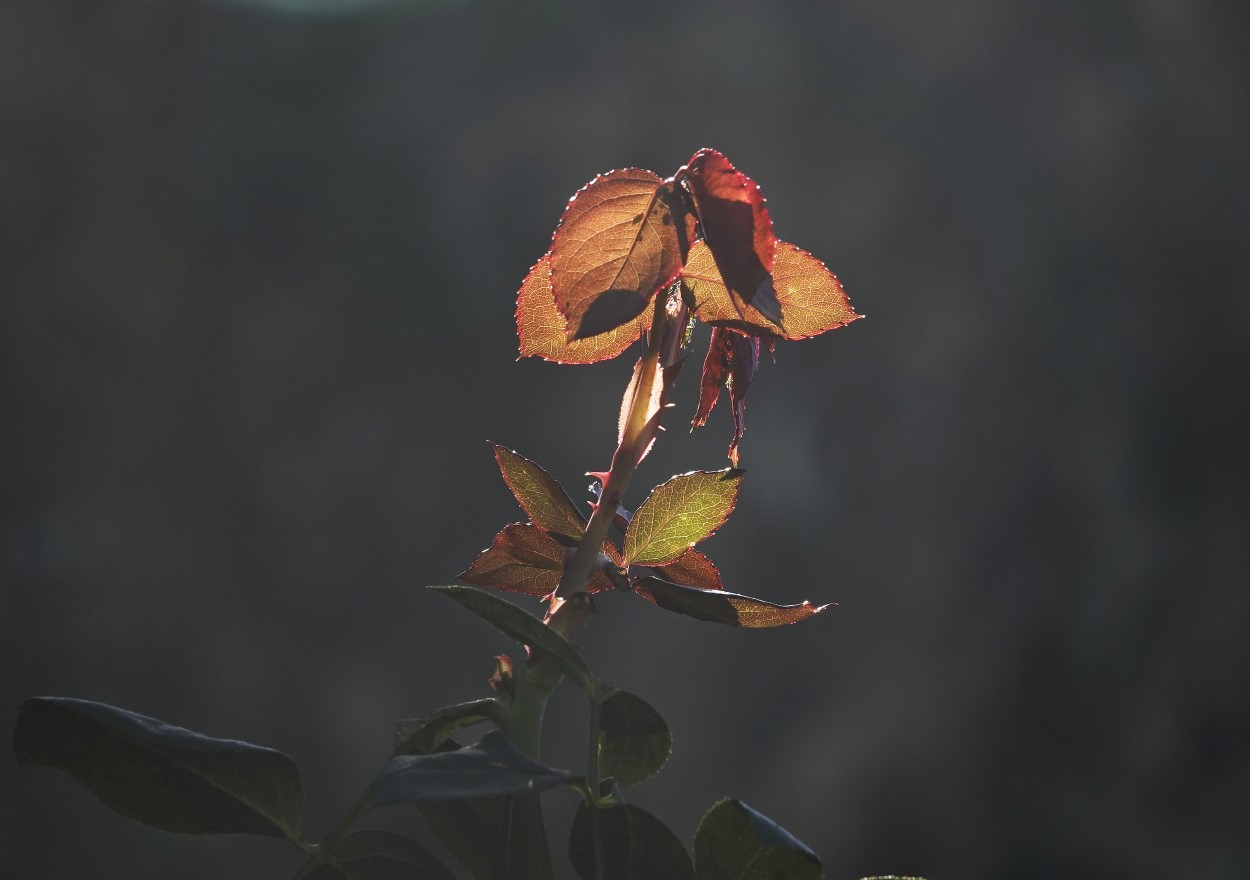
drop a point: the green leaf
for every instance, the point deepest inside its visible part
(492, 767)
(540, 495)
(734, 842)
(426, 735)
(372, 854)
(679, 514)
(493, 838)
(721, 606)
(636, 846)
(634, 741)
(165, 776)
(520, 625)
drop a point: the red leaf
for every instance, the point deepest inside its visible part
(525, 559)
(732, 358)
(616, 244)
(737, 229)
(539, 493)
(692, 569)
(719, 606)
(541, 328)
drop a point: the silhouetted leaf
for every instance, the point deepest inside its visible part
(721, 606)
(616, 244)
(692, 569)
(636, 846)
(634, 740)
(513, 621)
(732, 360)
(492, 767)
(372, 854)
(165, 776)
(500, 838)
(539, 493)
(423, 736)
(679, 514)
(541, 327)
(734, 842)
(523, 558)
(737, 229)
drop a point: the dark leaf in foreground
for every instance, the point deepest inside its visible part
(636, 846)
(492, 838)
(634, 740)
(372, 854)
(168, 777)
(426, 735)
(721, 606)
(734, 842)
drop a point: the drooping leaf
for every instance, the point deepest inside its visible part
(539, 493)
(541, 327)
(810, 296)
(523, 558)
(424, 736)
(373, 854)
(692, 569)
(616, 244)
(168, 777)
(634, 740)
(492, 767)
(732, 359)
(526, 629)
(679, 514)
(636, 846)
(499, 838)
(721, 606)
(734, 842)
(737, 230)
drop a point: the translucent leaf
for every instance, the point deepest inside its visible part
(541, 327)
(636, 846)
(734, 842)
(526, 629)
(165, 776)
(539, 493)
(373, 854)
(523, 558)
(737, 229)
(492, 767)
(732, 360)
(617, 244)
(679, 514)
(692, 569)
(634, 740)
(721, 606)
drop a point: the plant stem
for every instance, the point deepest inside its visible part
(592, 783)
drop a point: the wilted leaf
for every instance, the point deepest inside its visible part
(680, 513)
(634, 740)
(721, 606)
(732, 360)
(526, 629)
(539, 493)
(168, 777)
(737, 230)
(492, 767)
(734, 842)
(372, 854)
(636, 846)
(692, 569)
(617, 244)
(541, 327)
(523, 558)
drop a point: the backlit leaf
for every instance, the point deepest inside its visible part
(636, 846)
(721, 606)
(679, 514)
(634, 740)
(492, 767)
(541, 327)
(692, 569)
(539, 494)
(616, 244)
(525, 628)
(732, 360)
(372, 854)
(737, 230)
(168, 777)
(523, 558)
(734, 842)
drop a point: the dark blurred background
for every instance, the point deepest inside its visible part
(257, 268)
